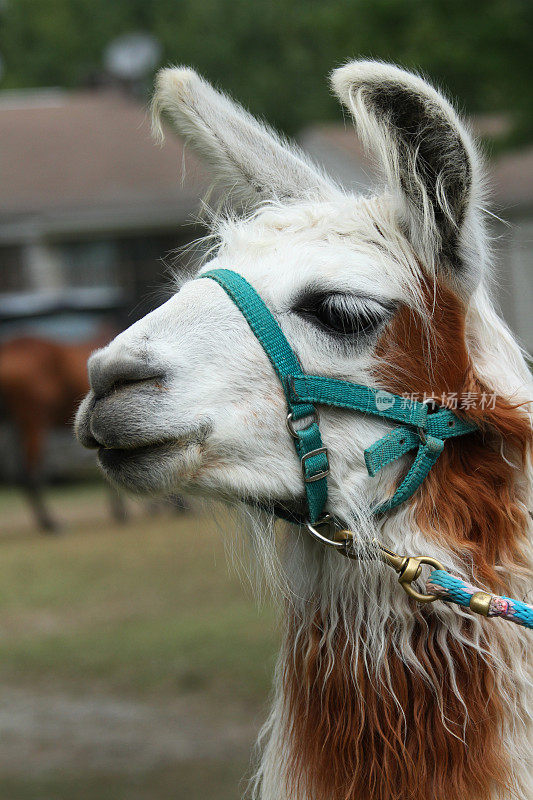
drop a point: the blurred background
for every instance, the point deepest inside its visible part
(133, 663)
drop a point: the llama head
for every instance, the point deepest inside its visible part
(186, 398)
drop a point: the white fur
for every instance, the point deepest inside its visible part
(223, 405)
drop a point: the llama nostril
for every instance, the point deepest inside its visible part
(108, 374)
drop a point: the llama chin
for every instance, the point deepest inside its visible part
(375, 696)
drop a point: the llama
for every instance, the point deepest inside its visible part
(375, 695)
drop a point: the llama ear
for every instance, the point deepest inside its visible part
(429, 160)
(248, 159)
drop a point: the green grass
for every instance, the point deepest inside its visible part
(208, 780)
(149, 610)
(142, 607)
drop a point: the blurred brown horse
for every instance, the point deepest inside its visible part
(41, 385)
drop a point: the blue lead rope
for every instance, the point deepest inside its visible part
(454, 590)
(419, 430)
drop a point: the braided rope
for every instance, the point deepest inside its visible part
(454, 590)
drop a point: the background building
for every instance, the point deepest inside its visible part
(91, 215)
(89, 206)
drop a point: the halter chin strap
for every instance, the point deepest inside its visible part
(419, 429)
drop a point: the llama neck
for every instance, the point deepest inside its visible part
(377, 697)
(431, 717)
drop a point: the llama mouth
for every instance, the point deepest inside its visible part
(148, 467)
(113, 457)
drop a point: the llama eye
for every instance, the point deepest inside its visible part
(343, 314)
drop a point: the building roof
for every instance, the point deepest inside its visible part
(337, 148)
(86, 159)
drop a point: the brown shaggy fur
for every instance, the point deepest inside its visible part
(358, 742)
(472, 499)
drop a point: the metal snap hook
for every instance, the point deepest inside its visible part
(409, 568)
(411, 571)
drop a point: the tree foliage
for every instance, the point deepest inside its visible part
(274, 54)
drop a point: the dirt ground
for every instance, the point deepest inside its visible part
(133, 664)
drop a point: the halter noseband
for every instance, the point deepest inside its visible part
(419, 430)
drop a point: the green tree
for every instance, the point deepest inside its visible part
(274, 54)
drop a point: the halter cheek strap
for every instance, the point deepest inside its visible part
(418, 430)
(307, 441)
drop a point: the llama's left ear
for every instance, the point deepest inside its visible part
(429, 160)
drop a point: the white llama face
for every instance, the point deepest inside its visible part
(186, 398)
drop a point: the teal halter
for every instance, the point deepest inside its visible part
(419, 430)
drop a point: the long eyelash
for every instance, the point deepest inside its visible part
(350, 308)
(353, 315)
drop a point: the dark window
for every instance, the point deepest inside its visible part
(92, 263)
(12, 272)
(147, 266)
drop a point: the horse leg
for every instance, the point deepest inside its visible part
(33, 488)
(32, 484)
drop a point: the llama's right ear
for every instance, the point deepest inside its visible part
(247, 159)
(429, 161)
